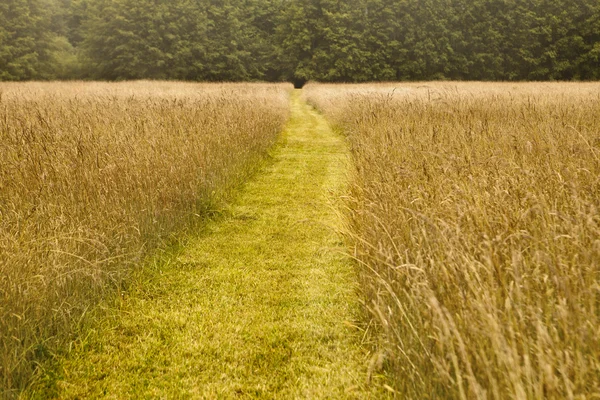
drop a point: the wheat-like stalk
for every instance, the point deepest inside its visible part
(475, 217)
(93, 176)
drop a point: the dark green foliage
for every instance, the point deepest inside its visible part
(183, 39)
(25, 40)
(153, 39)
(326, 40)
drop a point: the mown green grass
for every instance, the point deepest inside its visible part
(95, 177)
(260, 304)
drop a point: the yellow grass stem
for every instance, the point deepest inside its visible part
(93, 176)
(475, 216)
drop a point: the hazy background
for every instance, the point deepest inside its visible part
(276, 40)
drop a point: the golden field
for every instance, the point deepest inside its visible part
(474, 217)
(94, 176)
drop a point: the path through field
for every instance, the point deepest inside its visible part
(258, 306)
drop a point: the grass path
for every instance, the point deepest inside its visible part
(257, 306)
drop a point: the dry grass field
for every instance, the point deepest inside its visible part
(474, 216)
(258, 304)
(93, 176)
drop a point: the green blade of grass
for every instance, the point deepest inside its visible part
(260, 305)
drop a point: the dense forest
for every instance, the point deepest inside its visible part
(275, 40)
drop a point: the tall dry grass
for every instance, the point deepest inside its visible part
(475, 217)
(95, 175)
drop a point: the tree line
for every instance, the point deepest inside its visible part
(283, 40)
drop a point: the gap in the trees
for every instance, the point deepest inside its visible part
(299, 83)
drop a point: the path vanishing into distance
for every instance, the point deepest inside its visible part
(259, 305)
